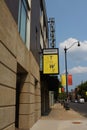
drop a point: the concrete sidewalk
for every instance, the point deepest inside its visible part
(61, 119)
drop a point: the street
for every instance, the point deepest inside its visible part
(79, 107)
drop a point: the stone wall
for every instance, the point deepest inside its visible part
(14, 53)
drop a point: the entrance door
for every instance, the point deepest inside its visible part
(21, 76)
(18, 85)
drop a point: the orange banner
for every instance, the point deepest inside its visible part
(62, 89)
(69, 79)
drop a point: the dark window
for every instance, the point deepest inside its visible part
(22, 19)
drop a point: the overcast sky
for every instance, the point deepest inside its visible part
(71, 26)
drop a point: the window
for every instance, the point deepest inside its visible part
(22, 19)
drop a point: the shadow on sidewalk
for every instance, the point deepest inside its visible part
(58, 112)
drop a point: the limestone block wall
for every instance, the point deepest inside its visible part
(34, 91)
(30, 97)
(13, 52)
(7, 69)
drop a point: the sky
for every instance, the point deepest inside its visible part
(71, 26)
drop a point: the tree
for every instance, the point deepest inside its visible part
(82, 89)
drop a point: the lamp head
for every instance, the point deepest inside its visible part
(78, 43)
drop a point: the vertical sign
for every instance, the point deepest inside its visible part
(63, 80)
(59, 90)
(50, 61)
(69, 79)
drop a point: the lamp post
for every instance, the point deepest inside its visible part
(66, 73)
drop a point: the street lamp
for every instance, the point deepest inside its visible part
(66, 73)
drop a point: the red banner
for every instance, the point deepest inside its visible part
(69, 79)
(63, 89)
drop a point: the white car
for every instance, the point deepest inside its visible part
(81, 100)
(75, 101)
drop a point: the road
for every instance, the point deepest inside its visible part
(81, 108)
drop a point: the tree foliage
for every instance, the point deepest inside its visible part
(82, 89)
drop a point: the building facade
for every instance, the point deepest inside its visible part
(23, 34)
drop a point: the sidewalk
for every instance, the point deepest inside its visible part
(61, 119)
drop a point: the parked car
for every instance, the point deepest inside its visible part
(81, 100)
(76, 101)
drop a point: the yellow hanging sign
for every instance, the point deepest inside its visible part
(50, 64)
(50, 61)
(59, 90)
(86, 92)
(63, 80)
